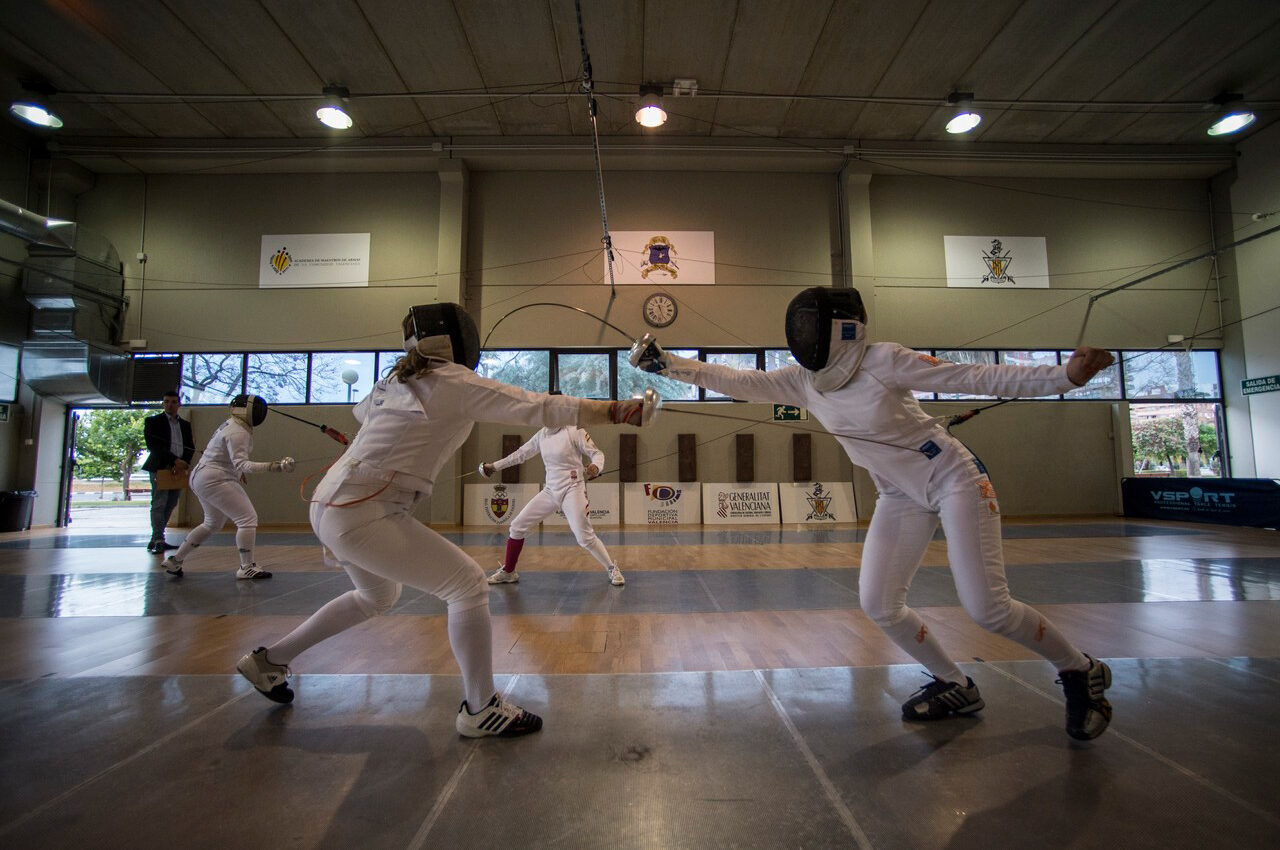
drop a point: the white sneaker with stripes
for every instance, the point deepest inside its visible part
(940, 698)
(252, 572)
(499, 718)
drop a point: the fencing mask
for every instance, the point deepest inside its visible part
(249, 409)
(809, 322)
(444, 331)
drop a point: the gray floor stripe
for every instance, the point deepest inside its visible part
(1246, 671)
(150, 748)
(714, 602)
(1112, 732)
(828, 787)
(446, 794)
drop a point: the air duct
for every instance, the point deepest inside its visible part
(74, 281)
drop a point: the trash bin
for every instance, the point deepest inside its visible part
(15, 509)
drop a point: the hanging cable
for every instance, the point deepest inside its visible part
(588, 88)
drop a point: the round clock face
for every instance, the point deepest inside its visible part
(659, 310)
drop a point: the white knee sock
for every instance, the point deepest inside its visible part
(914, 637)
(471, 636)
(336, 616)
(245, 538)
(198, 535)
(600, 553)
(1037, 634)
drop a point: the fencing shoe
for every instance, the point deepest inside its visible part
(501, 576)
(501, 718)
(252, 572)
(271, 680)
(172, 567)
(615, 576)
(940, 698)
(1088, 712)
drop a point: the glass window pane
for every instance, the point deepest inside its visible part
(985, 358)
(341, 377)
(211, 378)
(1104, 385)
(530, 370)
(1029, 358)
(8, 372)
(778, 358)
(632, 382)
(1176, 439)
(279, 377)
(584, 375)
(387, 359)
(734, 360)
(1171, 374)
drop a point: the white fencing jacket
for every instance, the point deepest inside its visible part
(226, 457)
(408, 430)
(562, 452)
(874, 403)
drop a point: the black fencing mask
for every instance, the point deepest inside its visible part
(250, 409)
(809, 318)
(444, 331)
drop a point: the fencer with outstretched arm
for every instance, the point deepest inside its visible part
(861, 393)
(218, 482)
(562, 450)
(411, 423)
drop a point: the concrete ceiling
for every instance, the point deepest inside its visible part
(1105, 87)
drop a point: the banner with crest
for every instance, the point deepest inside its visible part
(997, 262)
(663, 256)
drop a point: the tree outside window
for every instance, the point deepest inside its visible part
(211, 378)
(109, 444)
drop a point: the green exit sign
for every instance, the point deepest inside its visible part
(789, 413)
(1251, 386)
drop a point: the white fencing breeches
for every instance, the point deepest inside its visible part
(382, 547)
(896, 542)
(222, 499)
(572, 499)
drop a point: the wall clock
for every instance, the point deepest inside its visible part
(659, 310)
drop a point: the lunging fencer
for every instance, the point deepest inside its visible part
(218, 482)
(862, 393)
(562, 449)
(411, 423)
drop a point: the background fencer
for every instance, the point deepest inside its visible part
(562, 452)
(218, 482)
(410, 424)
(862, 393)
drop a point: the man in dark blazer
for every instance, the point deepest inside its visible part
(171, 446)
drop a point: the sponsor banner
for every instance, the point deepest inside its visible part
(1229, 501)
(662, 503)
(603, 507)
(817, 502)
(997, 262)
(662, 256)
(1269, 384)
(727, 504)
(495, 504)
(314, 259)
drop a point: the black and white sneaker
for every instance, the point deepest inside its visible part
(940, 698)
(1088, 712)
(501, 718)
(271, 680)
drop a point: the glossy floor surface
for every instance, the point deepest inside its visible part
(730, 695)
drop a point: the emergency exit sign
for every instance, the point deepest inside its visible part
(789, 413)
(1269, 384)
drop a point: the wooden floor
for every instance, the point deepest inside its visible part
(211, 640)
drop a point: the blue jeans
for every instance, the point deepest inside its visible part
(162, 504)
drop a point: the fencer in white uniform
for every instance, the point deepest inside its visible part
(862, 394)
(218, 482)
(411, 423)
(562, 452)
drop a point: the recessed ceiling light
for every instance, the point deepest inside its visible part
(35, 113)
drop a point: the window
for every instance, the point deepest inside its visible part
(9, 373)
(279, 377)
(211, 378)
(1029, 358)
(778, 358)
(530, 370)
(1171, 374)
(984, 358)
(1176, 439)
(632, 382)
(732, 359)
(1104, 385)
(584, 375)
(387, 359)
(341, 377)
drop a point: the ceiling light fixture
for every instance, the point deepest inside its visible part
(965, 118)
(332, 114)
(32, 107)
(1233, 115)
(650, 112)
